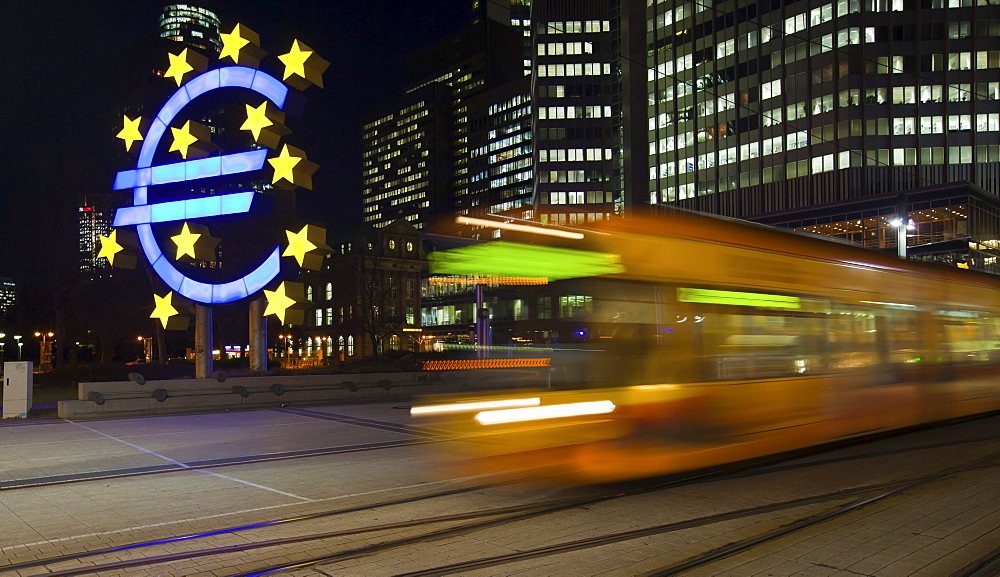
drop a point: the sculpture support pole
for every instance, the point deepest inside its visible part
(202, 341)
(258, 335)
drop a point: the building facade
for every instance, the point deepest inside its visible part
(364, 301)
(574, 120)
(771, 108)
(93, 221)
(191, 25)
(415, 153)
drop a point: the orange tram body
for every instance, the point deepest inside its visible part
(723, 341)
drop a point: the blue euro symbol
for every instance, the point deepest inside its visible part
(143, 215)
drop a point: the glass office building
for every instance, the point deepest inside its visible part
(191, 25)
(758, 108)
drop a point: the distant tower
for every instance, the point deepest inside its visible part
(191, 25)
(8, 297)
(94, 221)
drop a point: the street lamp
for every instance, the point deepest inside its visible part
(901, 229)
(45, 352)
(18, 339)
(2, 337)
(288, 349)
(147, 347)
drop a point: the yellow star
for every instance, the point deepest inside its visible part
(256, 119)
(110, 247)
(278, 302)
(283, 165)
(185, 242)
(183, 139)
(303, 67)
(232, 43)
(131, 131)
(164, 310)
(298, 244)
(178, 66)
(295, 60)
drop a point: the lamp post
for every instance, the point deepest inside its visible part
(45, 352)
(18, 339)
(901, 229)
(288, 349)
(147, 347)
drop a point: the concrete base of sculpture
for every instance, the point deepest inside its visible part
(130, 398)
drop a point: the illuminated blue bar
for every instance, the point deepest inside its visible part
(219, 293)
(124, 179)
(167, 211)
(167, 173)
(149, 245)
(259, 277)
(205, 168)
(236, 203)
(219, 205)
(130, 215)
(270, 87)
(203, 83)
(151, 141)
(243, 161)
(192, 169)
(237, 76)
(196, 290)
(177, 101)
(170, 275)
(139, 196)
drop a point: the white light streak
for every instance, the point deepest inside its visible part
(518, 227)
(546, 412)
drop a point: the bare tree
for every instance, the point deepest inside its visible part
(376, 289)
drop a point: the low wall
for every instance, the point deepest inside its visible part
(140, 397)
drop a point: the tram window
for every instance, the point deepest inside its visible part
(903, 328)
(851, 340)
(968, 336)
(761, 344)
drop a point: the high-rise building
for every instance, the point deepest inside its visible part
(191, 25)
(415, 153)
(93, 221)
(8, 297)
(790, 113)
(574, 124)
(500, 143)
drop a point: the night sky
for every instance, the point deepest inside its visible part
(54, 112)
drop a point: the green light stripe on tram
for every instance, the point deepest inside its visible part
(709, 296)
(508, 259)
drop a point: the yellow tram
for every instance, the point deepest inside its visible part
(719, 341)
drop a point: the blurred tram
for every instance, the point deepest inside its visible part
(721, 341)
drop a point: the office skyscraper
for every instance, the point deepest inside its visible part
(771, 109)
(415, 153)
(191, 25)
(93, 221)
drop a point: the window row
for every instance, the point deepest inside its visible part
(571, 176)
(574, 154)
(574, 69)
(563, 112)
(560, 48)
(576, 27)
(579, 197)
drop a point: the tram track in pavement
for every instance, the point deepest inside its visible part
(888, 489)
(423, 436)
(526, 511)
(493, 517)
